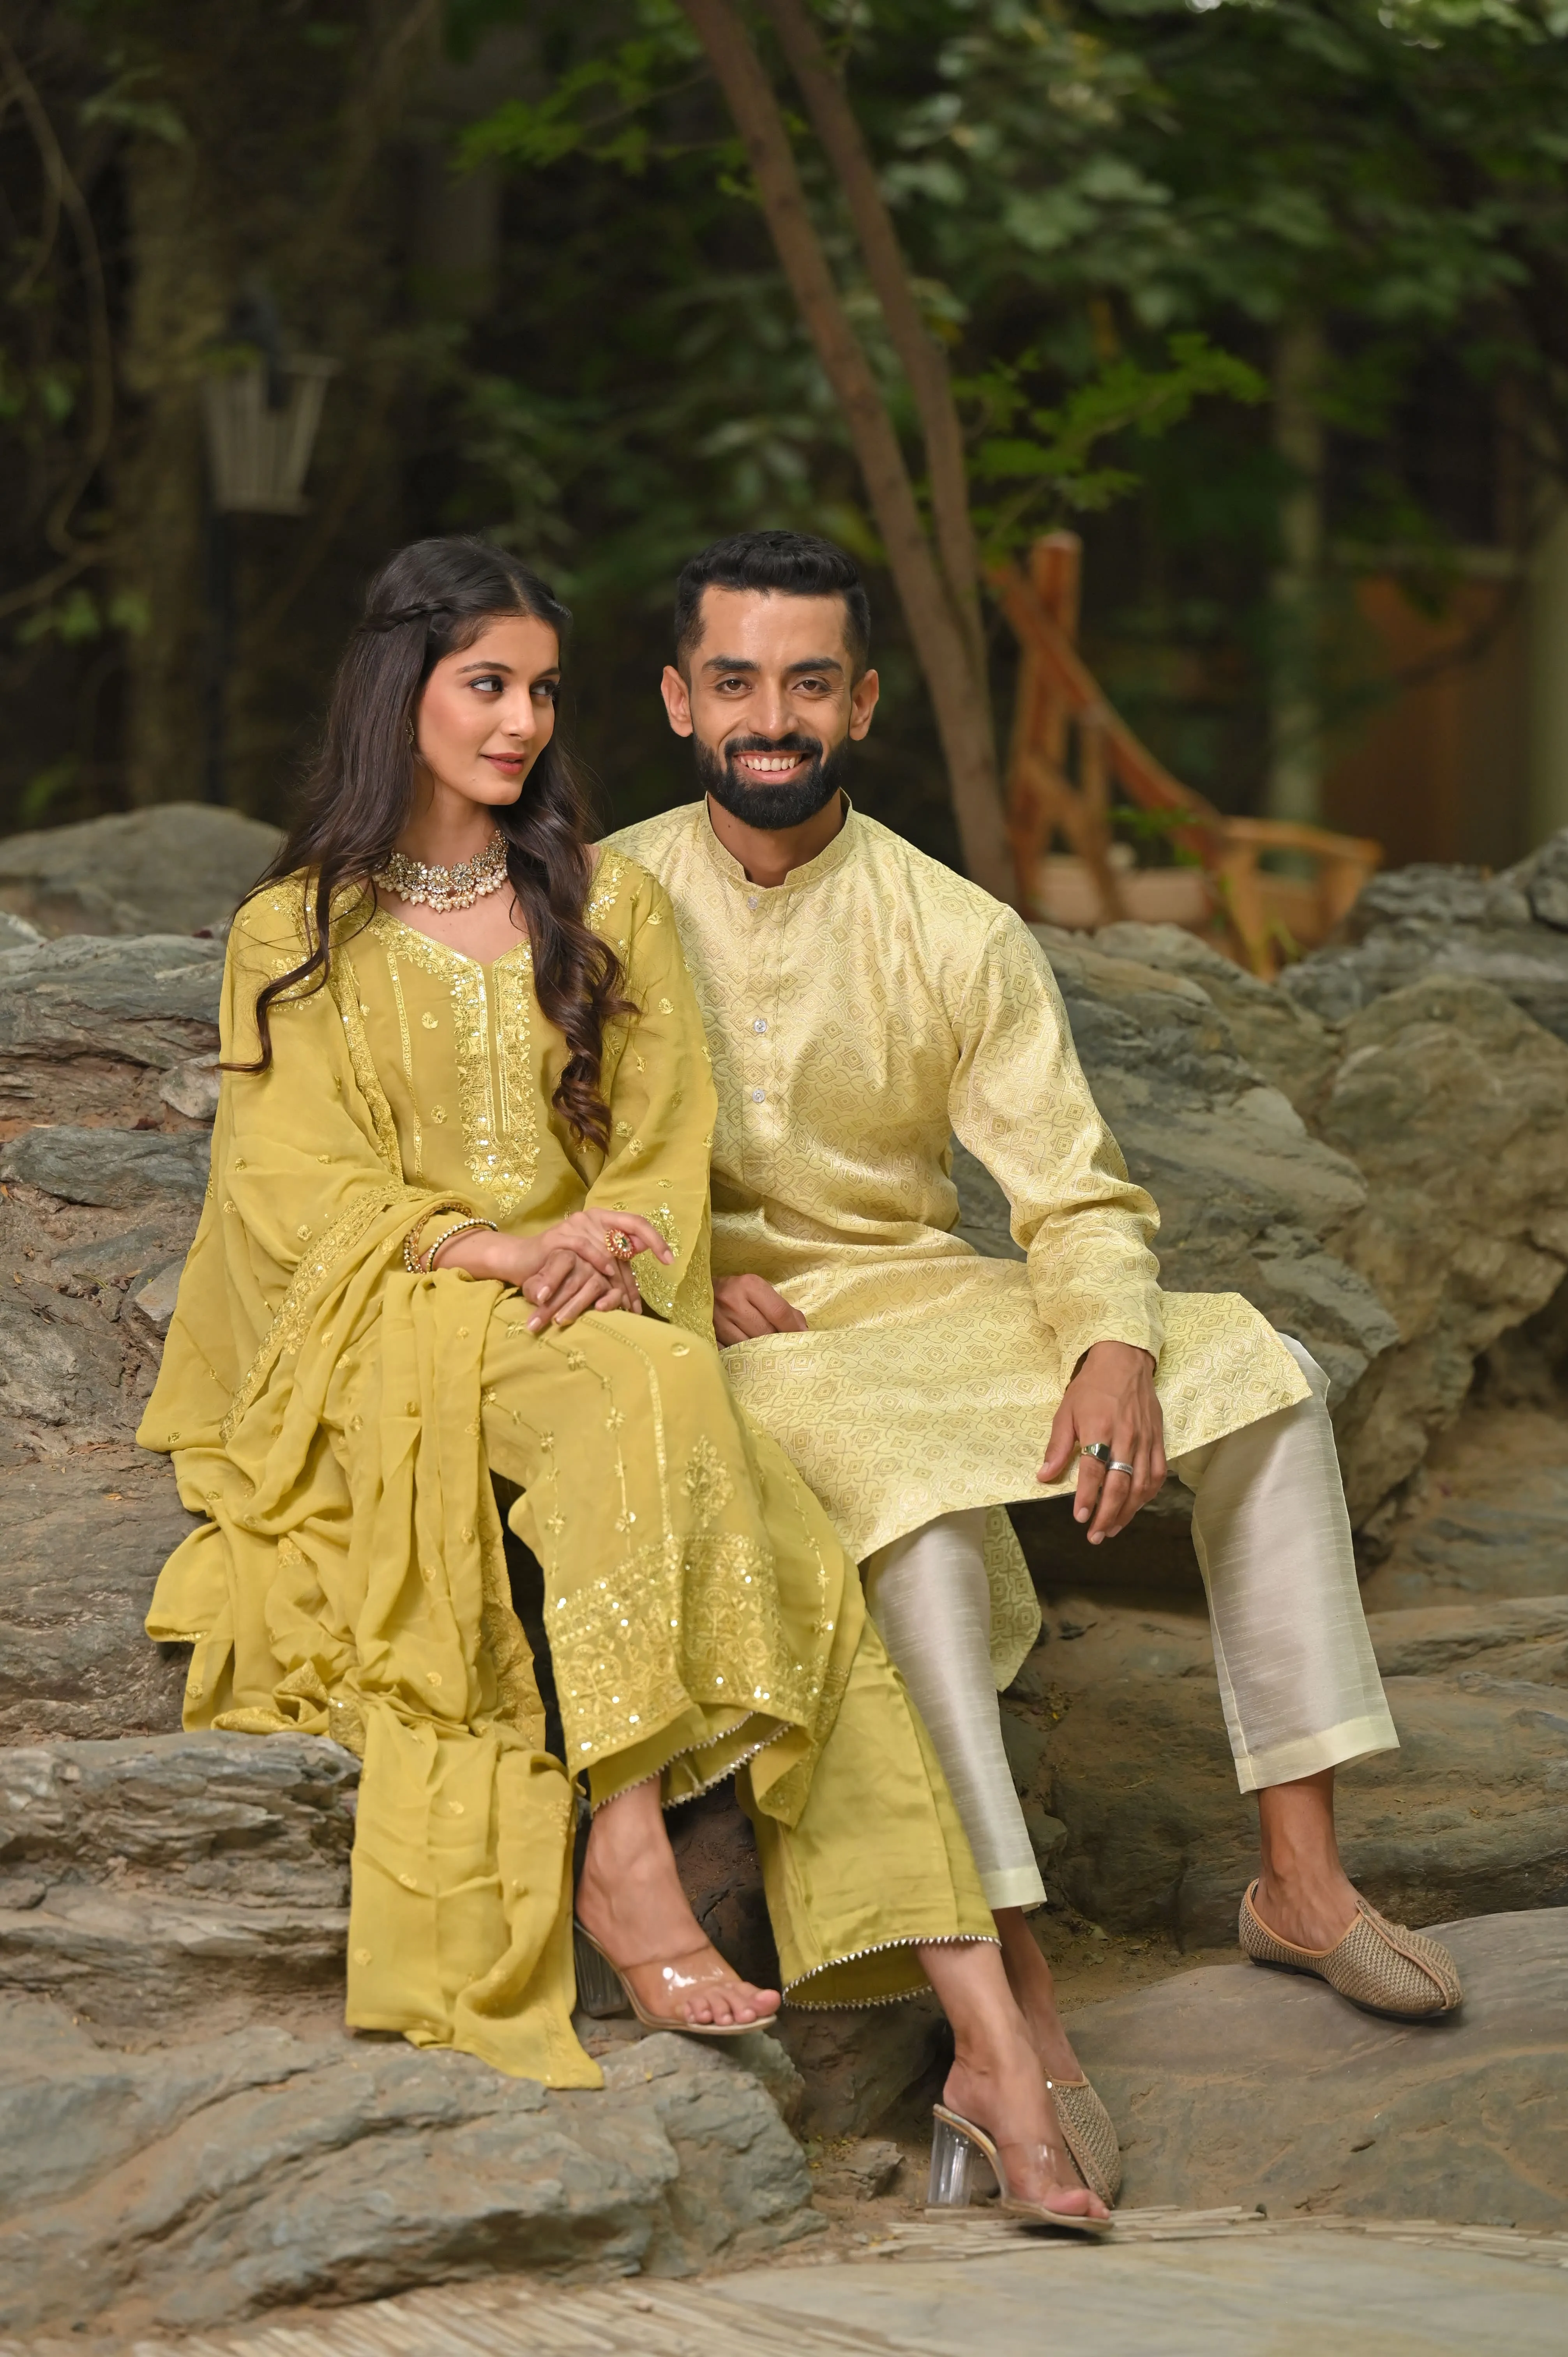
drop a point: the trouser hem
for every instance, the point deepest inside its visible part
(1284, 1763)
(878, 1948)
(1012, 1886)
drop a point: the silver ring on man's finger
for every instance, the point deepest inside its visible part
(1116, 1466)
(1099, 1449)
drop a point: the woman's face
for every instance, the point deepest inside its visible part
(487, 712)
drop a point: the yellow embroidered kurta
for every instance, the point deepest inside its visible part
(337, 1421)
(864, 1012)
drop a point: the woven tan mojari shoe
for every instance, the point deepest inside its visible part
(1090, 2136)
(1379, 1966)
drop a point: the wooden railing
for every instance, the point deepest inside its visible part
(1063, 725)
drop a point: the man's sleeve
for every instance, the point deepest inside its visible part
(1020, 1104)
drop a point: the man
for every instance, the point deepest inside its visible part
(862, 1003)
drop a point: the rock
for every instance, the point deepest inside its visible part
(864, 2170)
(181, 1875)
(173, 869)
(1246, 1195)
(123, 1167)
(67, 1372)
(155, 1300)
(1235, 2085)
(192, 1088)
(89, 1030)
(1477, 1549)
(1283, 1041)
(1444, 1078)
(1467, 1817)
(86, 1538)
(199, 2184)
(15, 933)
(858, 2062)
(1448, 922)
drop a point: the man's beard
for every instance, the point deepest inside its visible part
(772, 809)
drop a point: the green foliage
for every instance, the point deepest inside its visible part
(1053, 464)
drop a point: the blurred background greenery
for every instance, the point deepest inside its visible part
(525, 232)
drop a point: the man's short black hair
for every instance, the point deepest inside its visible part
(790, 564)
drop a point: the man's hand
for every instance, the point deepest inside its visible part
(1111, 1398)
(748, 1307)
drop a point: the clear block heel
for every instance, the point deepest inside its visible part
(952, 2156)
(600, 1989)
(957, 2145)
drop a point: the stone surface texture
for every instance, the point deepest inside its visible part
(1238, 2085)
(170, 869)
(197, 2183)
(1375, 1153)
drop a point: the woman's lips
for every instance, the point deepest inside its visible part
(507, 763)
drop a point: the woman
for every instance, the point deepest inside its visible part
(461, 1152)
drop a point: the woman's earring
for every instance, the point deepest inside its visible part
(408, 729)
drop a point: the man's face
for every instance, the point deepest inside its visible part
(770, 703)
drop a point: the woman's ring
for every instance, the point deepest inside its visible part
(1099, 1449)
(620, 1244)
(1116, 1466)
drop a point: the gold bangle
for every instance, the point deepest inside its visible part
(461, 1228)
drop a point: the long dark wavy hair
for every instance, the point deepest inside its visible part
(430, 600)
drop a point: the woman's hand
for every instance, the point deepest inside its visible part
(1111, 1398)
(566, 1269)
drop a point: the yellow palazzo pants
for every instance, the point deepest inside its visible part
(704, 1621)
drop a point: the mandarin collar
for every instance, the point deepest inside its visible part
(800, 880)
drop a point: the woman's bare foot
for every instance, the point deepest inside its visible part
(1303, 1893)
(1033, 1993)
(629, 1897)
(998, 2081)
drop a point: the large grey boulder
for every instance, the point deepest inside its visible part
(95, 1031)
(1237, 2085)
(1509, 930)
(202, 2182)
(1454, 1105)
(170, 869)
(1448, 1101)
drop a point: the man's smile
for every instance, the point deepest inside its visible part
(770, 765)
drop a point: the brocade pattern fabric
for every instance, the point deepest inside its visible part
(860, 1016)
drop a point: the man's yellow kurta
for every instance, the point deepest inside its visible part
(337, 1420)
(859, 1015)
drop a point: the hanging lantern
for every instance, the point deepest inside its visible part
(260, 429)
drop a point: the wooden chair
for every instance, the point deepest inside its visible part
(1063, 725)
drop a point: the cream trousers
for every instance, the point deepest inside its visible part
(1297, 1680)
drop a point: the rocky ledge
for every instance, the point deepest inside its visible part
(1375, 1152)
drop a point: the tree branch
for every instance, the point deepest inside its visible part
(963, 721)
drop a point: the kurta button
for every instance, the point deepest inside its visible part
(751, 901)
(759, 1096)
(760, 1024)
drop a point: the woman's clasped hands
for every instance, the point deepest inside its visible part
(565, 1270)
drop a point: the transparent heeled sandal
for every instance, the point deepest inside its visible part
(957, 2145)
(603, 1989)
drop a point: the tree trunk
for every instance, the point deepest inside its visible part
(962, 715)
(924, 361)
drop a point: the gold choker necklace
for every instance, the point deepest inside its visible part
(445, 887)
